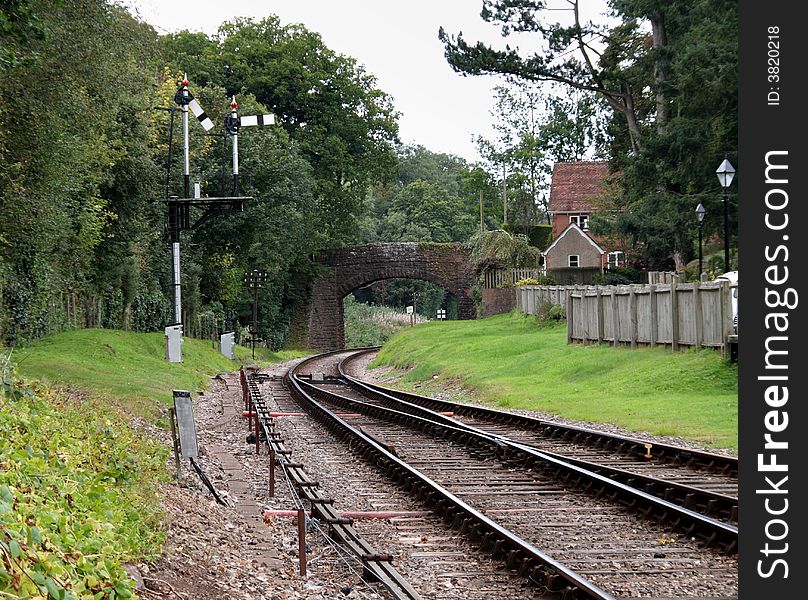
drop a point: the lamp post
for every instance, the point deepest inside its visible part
(725, 173)
(700, 214)
(254, 280)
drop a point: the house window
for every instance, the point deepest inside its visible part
(573, 260)
(581, 221)
(616, 259)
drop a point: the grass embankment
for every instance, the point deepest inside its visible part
(511, 361)
(77, 484)
(129, 369)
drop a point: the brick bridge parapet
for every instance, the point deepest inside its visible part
(347, 269)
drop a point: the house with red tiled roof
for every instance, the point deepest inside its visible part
(572, 189)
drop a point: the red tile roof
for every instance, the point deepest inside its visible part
(574, 183)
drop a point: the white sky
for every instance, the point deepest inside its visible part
(396, 41)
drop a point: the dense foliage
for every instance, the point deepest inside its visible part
(668, 73)
(73, 506)
(84, 171)
(367, 325)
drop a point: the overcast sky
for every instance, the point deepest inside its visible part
(396, 41)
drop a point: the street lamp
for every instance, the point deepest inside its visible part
(254, 280)
(700, 214)
(725, 173)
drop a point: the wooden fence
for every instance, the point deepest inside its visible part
(530, 297)
(498, 278)
(675, 314)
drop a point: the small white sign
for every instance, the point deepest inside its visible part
(409, 310)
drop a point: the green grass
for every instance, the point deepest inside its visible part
(510, 361)
(128, 368)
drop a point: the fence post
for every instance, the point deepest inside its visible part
(652, 302)
(674, 317)
(632, 302)
(615, 318)
(599, 301)
(726, 316)
(584, 317)
(570, 318)
(698, 314)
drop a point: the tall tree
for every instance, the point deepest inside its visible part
(667, 69)
(71, 99)
(331, 105)
(537, 126)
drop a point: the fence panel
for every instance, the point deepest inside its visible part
(497, 278)
(530, 297)
(692, 314)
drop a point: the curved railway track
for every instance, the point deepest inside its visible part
(438, 563)
(704, 481)
(595, 533)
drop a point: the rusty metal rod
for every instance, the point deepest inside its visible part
(271, 472)
(301, 539)
(257, 435)
(356, 515)
(250, 414)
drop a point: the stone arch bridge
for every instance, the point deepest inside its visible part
(347, 269)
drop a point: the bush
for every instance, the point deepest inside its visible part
(367, 325)
(150, 312)
(548, 313)
(73, 505)
(527, 281)
(622, 276)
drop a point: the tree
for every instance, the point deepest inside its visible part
(537, 126)
(666, 69)
(344, 125)
(573, 55)
(71, 99)
(434, 197)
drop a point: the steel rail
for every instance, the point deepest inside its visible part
(630, 446)
(679, 517)
(711, 503)
(518, 554)
(377, 566)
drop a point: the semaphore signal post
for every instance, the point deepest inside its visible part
(179, 209)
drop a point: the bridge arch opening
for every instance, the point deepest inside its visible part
(374, 312)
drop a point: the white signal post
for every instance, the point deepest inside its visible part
(178, 213)
(232, 123)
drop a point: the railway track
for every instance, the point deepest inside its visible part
(704, 481)
(512, 499)
(419, 557)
